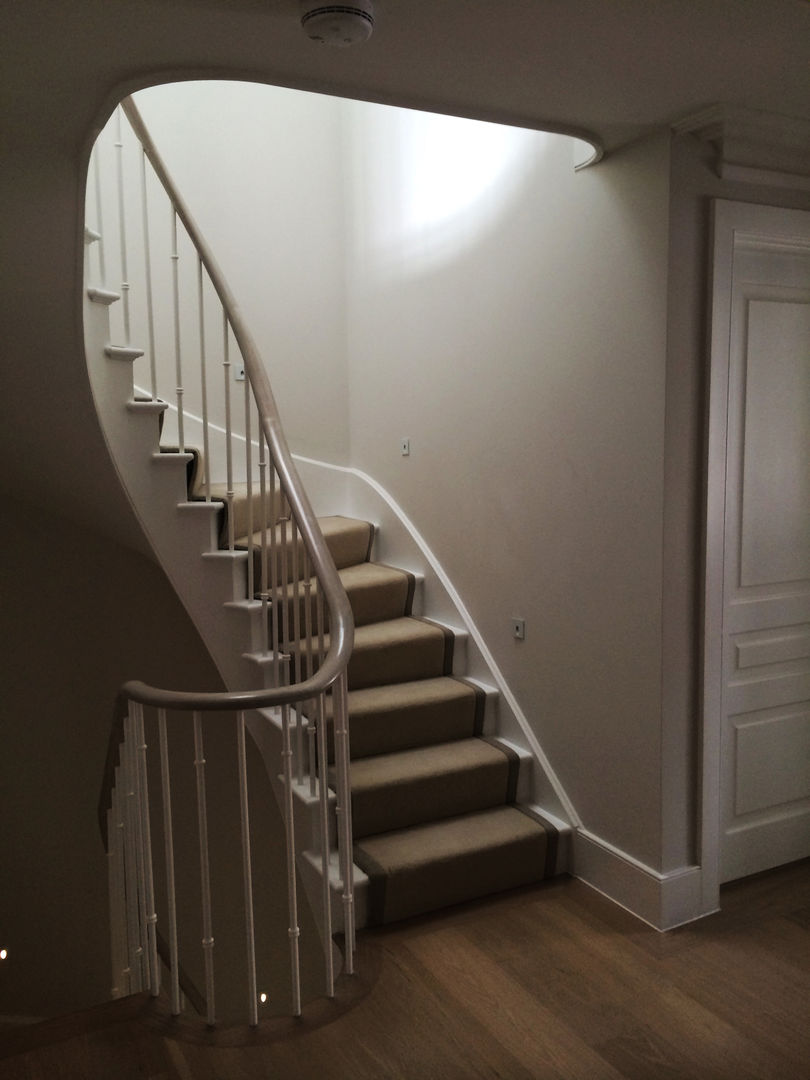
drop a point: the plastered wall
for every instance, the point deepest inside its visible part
(527, 367)
(462, 287)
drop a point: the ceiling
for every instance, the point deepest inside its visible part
(612, 68)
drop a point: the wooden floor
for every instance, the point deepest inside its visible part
(552, 981)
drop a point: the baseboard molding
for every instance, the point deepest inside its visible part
(663, 900)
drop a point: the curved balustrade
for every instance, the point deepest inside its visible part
(307, 626)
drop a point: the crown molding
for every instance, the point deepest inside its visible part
(753, 146)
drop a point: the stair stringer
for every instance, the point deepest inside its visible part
(183, 536)
(399, 543)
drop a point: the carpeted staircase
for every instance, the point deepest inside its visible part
(435, 820)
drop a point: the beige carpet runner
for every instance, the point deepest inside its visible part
(433, 801)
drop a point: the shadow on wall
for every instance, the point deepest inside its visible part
(79, 616)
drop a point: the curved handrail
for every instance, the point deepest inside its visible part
(341, 622)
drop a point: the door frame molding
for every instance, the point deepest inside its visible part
(730, 221)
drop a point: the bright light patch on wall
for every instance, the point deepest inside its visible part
(451, 164)
(436, 184)
(3, 954)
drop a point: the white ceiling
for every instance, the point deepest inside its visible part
(614, 68)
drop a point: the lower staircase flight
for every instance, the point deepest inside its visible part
(434, 811)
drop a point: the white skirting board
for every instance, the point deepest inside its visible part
(663, 900)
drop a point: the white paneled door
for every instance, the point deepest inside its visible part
(762, 657)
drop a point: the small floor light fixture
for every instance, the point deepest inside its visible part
(337, 24)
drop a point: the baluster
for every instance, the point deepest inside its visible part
(168, 848)
(311, 705)
(226, 364)
(297, 657)
(274, 578)
(119, 804)
(249, 471)
(265, 596)
(323, 800)
(122, 228)
(147, 255)
(292, 896)
(102, 264)
(134, 946)
(247, 871)
(178, 356)
(205, 870)
(146, 840)
(344, 814)
(117, 900)
(203, 383)
(323, 808)
(284, 590)
(133, 752)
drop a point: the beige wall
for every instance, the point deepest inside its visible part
(528, 369)
(511, 321)
(79, 616)
(260, 169)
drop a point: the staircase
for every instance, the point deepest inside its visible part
(433, 805)
(434, 811)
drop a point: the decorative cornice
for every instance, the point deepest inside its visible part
(754, 146)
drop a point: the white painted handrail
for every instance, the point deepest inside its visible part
(341, 623)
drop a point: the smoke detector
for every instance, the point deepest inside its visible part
(338, 24)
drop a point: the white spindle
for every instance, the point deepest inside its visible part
(147, 257)
(203, 383)
(102, 265)
(274, 578)
(122, 228)
(289, 829)
(146, 835)
(205, 870)
(134, 945)
(247, 871)
(251, 584)
(299, 717)
(168, 847)
(323, 807)
(121, 882)
(139, 841)
(226, 364)
(339, 709)
(178, 357)
(116, 896)
(312, 705)
(265, 595)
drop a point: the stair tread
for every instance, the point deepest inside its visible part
(440, 761)
(394, 697)
(398, 651)
(401, 716)
(376, 592)
(425, 867)
(429, 783)
(348, 541)
(480, 830)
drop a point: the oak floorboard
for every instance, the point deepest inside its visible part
(547, 982)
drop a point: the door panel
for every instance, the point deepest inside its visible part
(765, 695)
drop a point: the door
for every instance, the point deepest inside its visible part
(761, 652)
